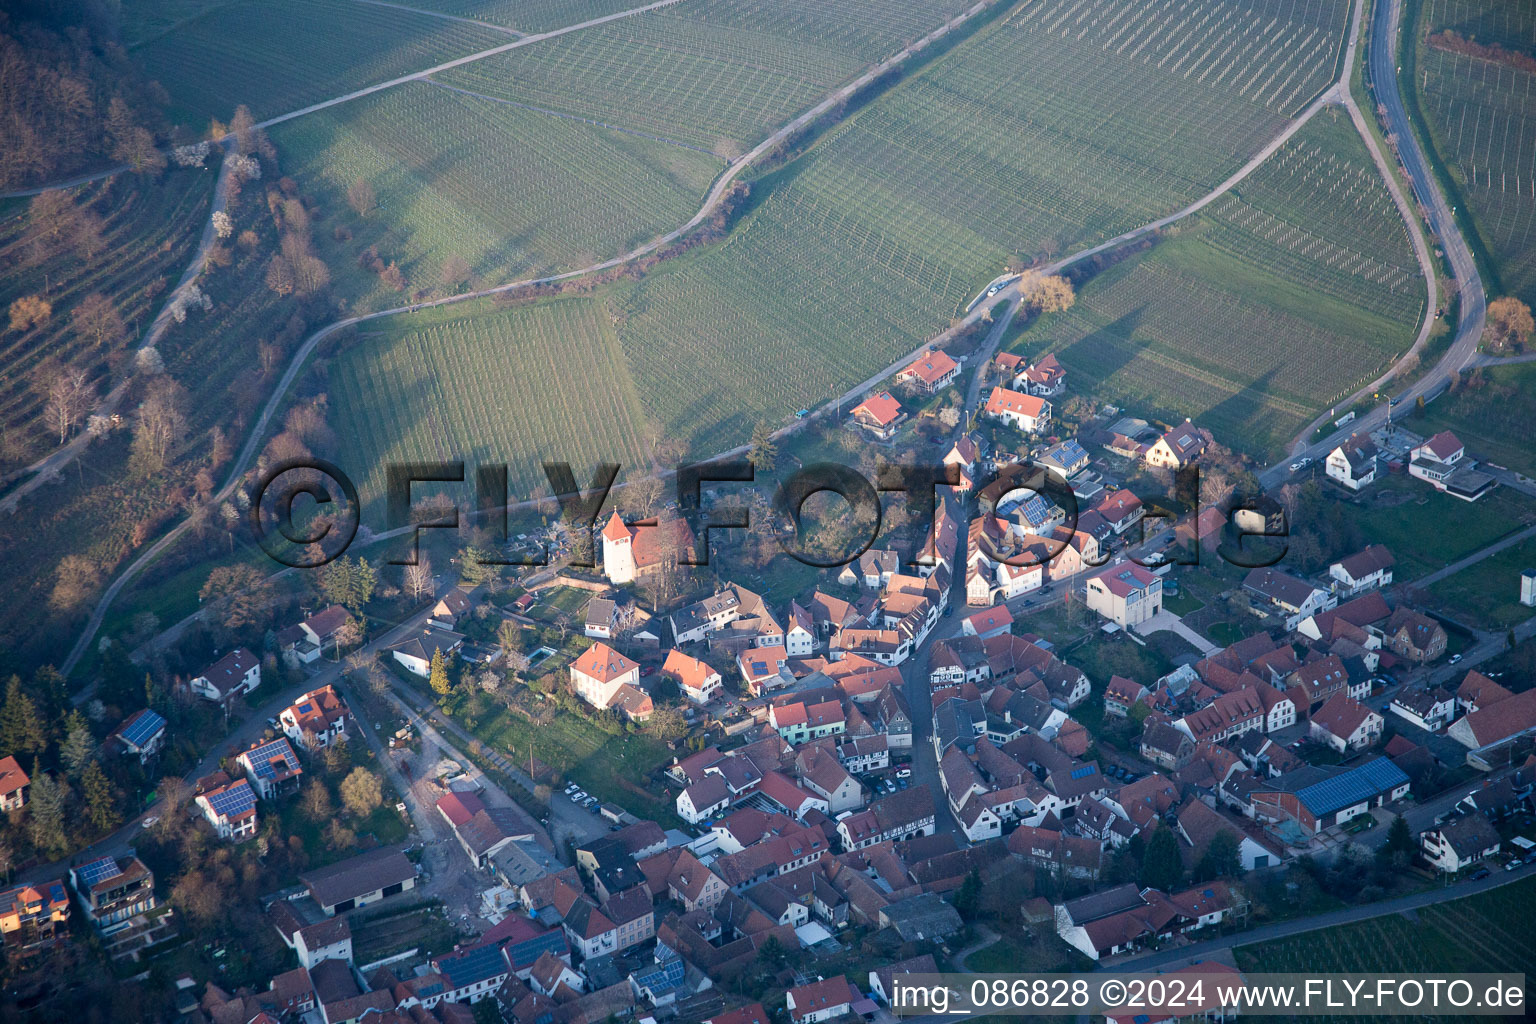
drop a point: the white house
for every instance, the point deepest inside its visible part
(237, 673)
(1427, 708)
(1125, 594)
(698, 681)
(1459, 843)
(1352, 463)
(1177, 448)
(598, 674)
(1434, 460)
(1345, 724)
(1027, 413)
(1367, 569)
(819, 1001)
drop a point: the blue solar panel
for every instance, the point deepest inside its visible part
(1351, 787)
(234, 801)
(139, 731)
(97, 871)
(470, 966)
(261, 758)
(664, 976)
(1083, 772)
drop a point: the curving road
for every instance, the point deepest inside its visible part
(1385, 33)
(712, 201)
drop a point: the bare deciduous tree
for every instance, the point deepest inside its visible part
(418, 578)
(70, 395)
(97, 318)
(361, 198)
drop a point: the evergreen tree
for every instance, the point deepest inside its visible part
(762, 452)
(1161, 866)
(21, 727)
(45, 814)
(79, 746)
(100, 808)
(968, 898)
(1221, 858)
(1400, 836)
(438, 679)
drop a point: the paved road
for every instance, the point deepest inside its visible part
(240, 738)
(712, 201)
(1469, 286)
(1204, 950)
(1474, 558)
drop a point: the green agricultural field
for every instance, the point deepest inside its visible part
(1482, 118)
(511, 190)
(1041, 135)
(1492, 416)
(143, 20)
(715, 74)
(280, 55)
(1488, 932)
(1280, 299)
(148, 233)
(1488, 594)
(528, 15)
(1401, 512)
(529, 384)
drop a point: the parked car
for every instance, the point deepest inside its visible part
(1512, 865)
(1454, 659)
(578, 796)
(589, 803)
(571, 789)
(147, 822)
(1480, 873)
(904, 773)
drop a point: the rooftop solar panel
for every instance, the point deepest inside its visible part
(474, 965)
(144, 726)
(263, 757)
(1351, 787)
(233, 801)
(97, 871)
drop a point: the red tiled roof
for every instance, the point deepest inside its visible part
(1004, 400)
(931, 367)
(603, 663)
(12, 777)
(881, 408)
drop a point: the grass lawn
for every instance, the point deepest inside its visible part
(613, 768)
(560, 600)
(1183, 602)
(1486, 932)
(1426, 530)
(1013, 955)
(1489, 592)
(1118, 655)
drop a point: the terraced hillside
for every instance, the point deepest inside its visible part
(146, 236)
(508, 189)
(517, 386)
(1040, 136)
(280, 55)
(1481, 111)
(1279, 300)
